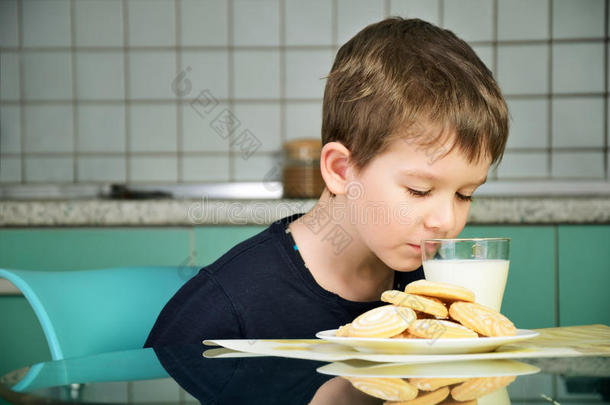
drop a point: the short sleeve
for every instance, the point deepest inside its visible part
(200, 310)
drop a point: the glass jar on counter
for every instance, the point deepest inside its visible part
(301, 170)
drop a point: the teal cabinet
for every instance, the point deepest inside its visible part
(584, 274)
(530, 295)
(211, 242)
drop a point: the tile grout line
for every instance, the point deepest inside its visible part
(126, 91)
(335, 25)
(282, 78)
(605, 125)
(549, 117)
(178, 41)
(556, 274)
(494, 56)
(75, 145)
(20, 68)
(231, 80)
(441, 13)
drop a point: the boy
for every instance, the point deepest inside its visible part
(412, 121)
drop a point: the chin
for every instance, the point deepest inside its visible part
(404, 265)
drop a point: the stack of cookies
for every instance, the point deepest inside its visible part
(429, 391)
(429, 310)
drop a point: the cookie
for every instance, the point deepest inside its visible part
(405, 335)
(389, 389)
(382, 322)
(444, 291)
(482, 319)
(477, 387)
(429, 398)
(450, 401)
(343, 330)
(439, 329)
(431, 384)
(415, 302)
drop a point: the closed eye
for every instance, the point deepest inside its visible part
(418, 193)
(464, 197)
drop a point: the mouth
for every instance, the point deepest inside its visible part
(415, 247)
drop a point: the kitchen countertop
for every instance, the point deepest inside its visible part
(201, 212)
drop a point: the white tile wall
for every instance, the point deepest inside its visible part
(205, 168)
(9, 76)
(523, 165)
(46, 23)
(354, 15)
(49, 128)
(578, 122)
(101, 128)
(255, 168)
(151, 22)
(264, 60)
(523, 19)
(306, 71)
(578, 19)
(256, 22)
(303, 120)
(308, 23)
(263, 123)
(204, 22)
(206, 70)
(49, 169)
(459, 16)
(529, 123)
(47, 75)
(10, 170)
(257, 74)
(99, 75)
(10, 128)
(198, 134)
(153, 169)
(101, 169)
(427, 10)
(515, 76)
(151, 74)
(578, 68)
(98, 23)
(8, 23)
(153, 128)
(589, 165)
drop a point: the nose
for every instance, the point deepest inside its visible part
(441, 215)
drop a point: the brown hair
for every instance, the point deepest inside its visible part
(398, 75)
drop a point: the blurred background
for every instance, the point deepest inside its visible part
(98, 91)
(188, 93)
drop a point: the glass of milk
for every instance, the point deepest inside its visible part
(479, 264)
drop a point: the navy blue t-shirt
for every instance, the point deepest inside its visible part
(262, 289)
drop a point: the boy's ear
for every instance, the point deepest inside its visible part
(334, 165)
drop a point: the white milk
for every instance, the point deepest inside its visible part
(486, 278)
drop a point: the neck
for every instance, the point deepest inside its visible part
(335, 254)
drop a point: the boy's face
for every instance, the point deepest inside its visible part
(409, 193)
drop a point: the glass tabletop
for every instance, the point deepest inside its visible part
(183, 374)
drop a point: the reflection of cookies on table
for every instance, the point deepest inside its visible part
(431, 384)
(482, 319)
(428, 398)
(439, 329)
(430, 306)
(450, 401)
(444, 291)
(389, 389)
(477, 387)
(382, 322)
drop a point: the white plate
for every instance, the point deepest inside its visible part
(426, 346)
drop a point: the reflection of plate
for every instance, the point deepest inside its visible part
(426, 346)
(460, 369)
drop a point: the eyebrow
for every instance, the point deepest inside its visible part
(430, 176)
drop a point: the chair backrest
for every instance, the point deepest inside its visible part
(84, 312)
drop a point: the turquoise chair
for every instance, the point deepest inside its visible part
(85, 312)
